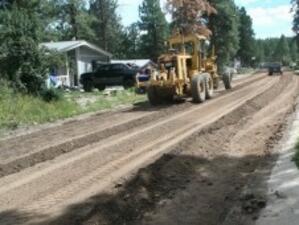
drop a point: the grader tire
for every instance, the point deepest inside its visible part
(209, 86)
(153, 97)
(216, 83)
(198, 89)
(227, 80)
(168, 98)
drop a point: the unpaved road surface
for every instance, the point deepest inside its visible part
(182, 164)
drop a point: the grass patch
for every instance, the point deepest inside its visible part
(246, 70)
(296, 157)
(23, 110)
(91, 102)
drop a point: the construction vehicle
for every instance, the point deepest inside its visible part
(186, 71)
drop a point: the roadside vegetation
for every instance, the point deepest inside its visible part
(246, 70)
(296, 157)
(21, 110)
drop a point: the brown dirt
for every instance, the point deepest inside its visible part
(27, 150)
(203, 177)
(196, 162)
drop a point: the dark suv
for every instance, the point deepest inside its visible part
(109, 75)
(274, 68)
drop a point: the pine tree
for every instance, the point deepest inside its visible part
(72, 19)
(225, 29)
(260, 51)
(270, 45)
(131, 42)
(48, 15)
(107, 26)
(295, 9)
(154, 29)
(29, 5)
(247, 41)
(294, 51)
(282, 51)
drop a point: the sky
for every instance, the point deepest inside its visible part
(271, 18)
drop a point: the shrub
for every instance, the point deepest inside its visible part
(17, 109)
(4, 89)
(50, 95)
(22, 61)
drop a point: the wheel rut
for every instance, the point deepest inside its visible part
(53, 186)
(28, 150)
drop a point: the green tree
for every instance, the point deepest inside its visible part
(293, 50)
(70, 20)
(247, 42)
(22, 62)
(131, 42)
(260, 51)
(270, 45)
(295, 9)
(107, 26)
(154, 29)
(225, 29)
(282, 51)
(30, 5)
(49, 16)
(49, 13)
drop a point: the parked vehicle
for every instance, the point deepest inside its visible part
(109, 75)
(274, 68)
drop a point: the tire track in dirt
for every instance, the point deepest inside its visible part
(28, 150)
(272, 116)
(202, 178)
(65, 190)
(126, 136)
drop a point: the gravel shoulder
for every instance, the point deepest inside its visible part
(283, 183)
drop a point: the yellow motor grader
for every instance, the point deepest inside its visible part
(185, 71)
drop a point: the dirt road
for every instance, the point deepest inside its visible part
(196, 159)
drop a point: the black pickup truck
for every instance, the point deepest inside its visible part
(109, 75)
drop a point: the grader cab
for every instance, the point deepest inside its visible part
(186, 70)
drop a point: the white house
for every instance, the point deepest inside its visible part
(80, 58)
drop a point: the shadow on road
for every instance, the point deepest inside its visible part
(17, 217)
(176, 189)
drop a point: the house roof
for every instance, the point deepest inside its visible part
(138, 62)
(65, 46)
